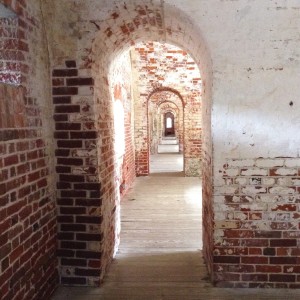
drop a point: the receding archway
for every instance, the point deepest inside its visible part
(103, 54)
(165, 152)
(169, 124)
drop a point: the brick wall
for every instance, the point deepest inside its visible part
(159, 66)
(28, 266)
(78, 196)
(257, 223)
(159, 103)
(121, 84)
(103, 32)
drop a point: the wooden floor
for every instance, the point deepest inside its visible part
(160, 253)
(167, 164)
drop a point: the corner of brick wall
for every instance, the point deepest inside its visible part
(78, 197)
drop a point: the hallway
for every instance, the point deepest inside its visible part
(159, 256)
(160, 253)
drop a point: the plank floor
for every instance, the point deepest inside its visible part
(160, 254)
(167, 164)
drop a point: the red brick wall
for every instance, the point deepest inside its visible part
(90, 177)
(28, 265)
(78, 196)
(121, 85)
(98, 46)
(160, 66)
(27, 223)
(159, 103)
(257, 223)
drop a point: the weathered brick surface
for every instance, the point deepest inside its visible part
(28, 265)
(79, 201)
(159, 104)
(11, 51)
(158, 67)
(124, 143)
(96, 43)
(257, 222)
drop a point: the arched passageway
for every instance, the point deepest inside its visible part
(169, 124)
(103, 53)
(126, 26)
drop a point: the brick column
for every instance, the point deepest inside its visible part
(78, 183)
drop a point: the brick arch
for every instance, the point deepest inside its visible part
(120, 27)
(154, 115)
(125, 27)
(161, 97)
(166, 89)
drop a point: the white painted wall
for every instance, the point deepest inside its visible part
(254, 46)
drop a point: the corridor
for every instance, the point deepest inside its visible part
(160, 252)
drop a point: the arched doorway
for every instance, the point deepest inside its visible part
(104, 53)
(169, 124)
(125, 26)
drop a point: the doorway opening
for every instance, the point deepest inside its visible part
(151, 73)
(171, 146)
(161, 216)
(169, 129)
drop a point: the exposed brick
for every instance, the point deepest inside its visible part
(269, 251)
(73, 245)
(88, 237)
(62, 100)
(73, 280)
(63, 169)
(65, 201)
(255, 277)
(283, 243)
(64, 73)
(70, 162)
(62, 152)
(71, 178)
(73, 262)
(65, 235)
(70, 63)
(84, 135)
(88, 202)
(80, 81)
(67, 126)
(88, 219)
(268, 269)
(282, 278)
(77, 194)
(69, 144)
(87, 272)
(89, 254)
(61, 118)
(65, 91)
(63, 185)
(227, 259)
(72, 211)
(267, 234)
(255, 260)
(67, 109)
(283, 260)
(87, 186)
(65, 253)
